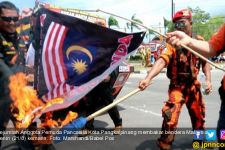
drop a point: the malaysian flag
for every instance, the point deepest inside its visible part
(73, 56)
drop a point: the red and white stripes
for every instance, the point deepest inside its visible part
(52, 60)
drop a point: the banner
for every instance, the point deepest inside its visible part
(76, 13)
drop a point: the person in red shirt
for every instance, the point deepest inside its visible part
(214, 47)
(182, 70)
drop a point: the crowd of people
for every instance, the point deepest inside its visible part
(182, 70)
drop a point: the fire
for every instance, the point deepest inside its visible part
(24, 99)
(49, 122)
(70, 117)
(27, 106)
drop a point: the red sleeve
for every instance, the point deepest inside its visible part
(217, 41)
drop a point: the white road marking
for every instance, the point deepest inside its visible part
(140, 109)
(128, 82)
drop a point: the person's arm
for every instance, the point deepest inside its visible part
(177, 38)
(202, 47)
(206, 71)
(156, 69)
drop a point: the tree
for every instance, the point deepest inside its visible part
(202, 23)
(112, 22)
(199, 16)
(132, 25)
(168, 25)
(148, 34)
(208, 28)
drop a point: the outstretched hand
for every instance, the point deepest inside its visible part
(177, 38)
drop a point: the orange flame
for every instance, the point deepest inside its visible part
(24, 99)
(26, 105)
(49, 122)
(70, 117)
(59, 124)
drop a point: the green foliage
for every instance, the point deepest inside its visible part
(112, 22)
(149, 33)
(202, 23)
(205, 25)
(170, 27)
(199, 16)
(166, 22)
(135, 58)
(132, 25)
(209, 28)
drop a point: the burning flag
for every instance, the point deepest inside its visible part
(73, 56)
(27, 106)
(24, 98)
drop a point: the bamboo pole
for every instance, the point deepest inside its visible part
(202, 57)
(106, 108)
(182, 45)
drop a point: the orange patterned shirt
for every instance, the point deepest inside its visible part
(182, 65)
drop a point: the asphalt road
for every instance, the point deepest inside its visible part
(142, 119)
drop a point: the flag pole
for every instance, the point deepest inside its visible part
(182, 45)
(106, 108)
(79, 123)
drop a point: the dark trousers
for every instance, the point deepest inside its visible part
(221, 124)
(5, 99)
(4, 115)
(102, 94)
(221, 121)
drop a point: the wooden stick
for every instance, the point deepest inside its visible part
(98, 10)
(202, 57)
(182, 45)
(106, 108)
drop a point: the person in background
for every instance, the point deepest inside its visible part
(213, 47)
(12, 60)
(103, 94)
(26, 12)
(182, 70)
